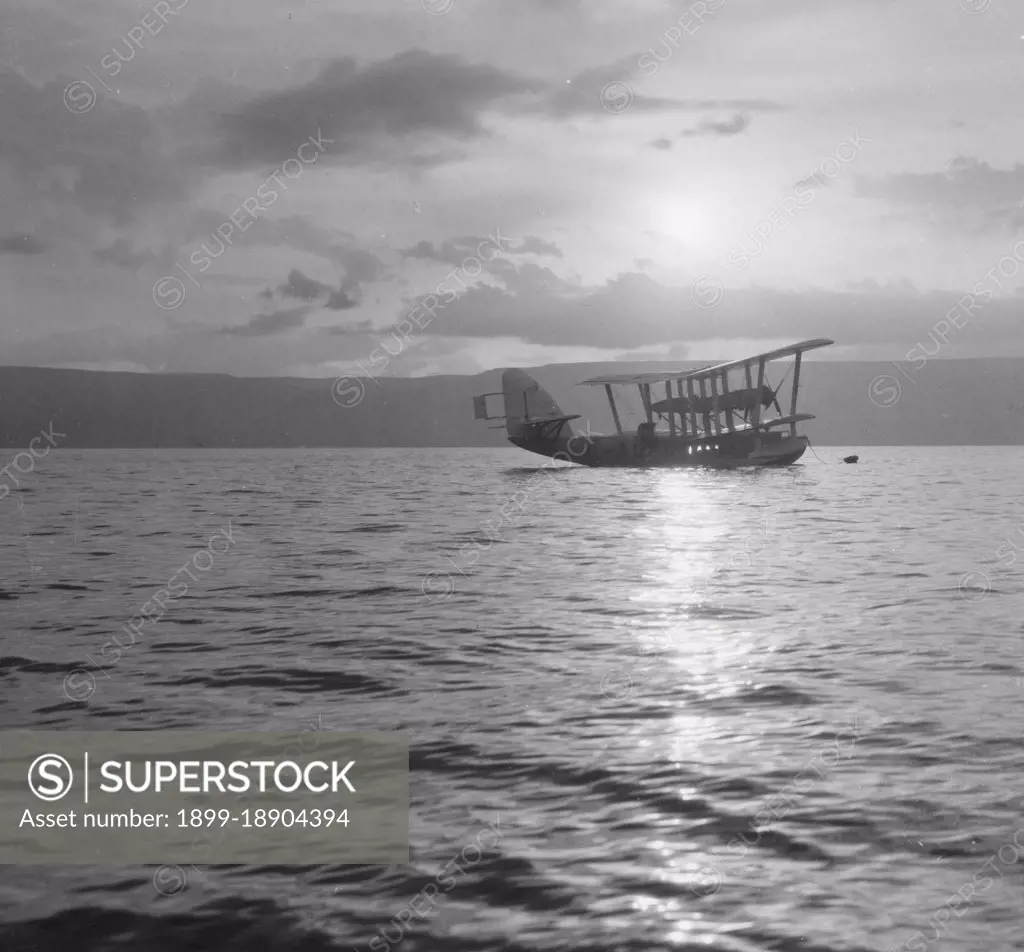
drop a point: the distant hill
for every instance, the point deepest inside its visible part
(946, 402)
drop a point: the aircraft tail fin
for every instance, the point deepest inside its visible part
(526, 401)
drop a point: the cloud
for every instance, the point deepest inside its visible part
(593, 90)
(904, 287)
(968, 192)
(633, 310)
(21, 245)
(425, 251)
(341, 248)
(356, 329)
(384, 108)
(110, 161)
(965, 182)
(516, 7)
(734, 105)
(662, 143)
(586, 94)
(533, 245)
(303, 288)
(341, 300)
(455, 251)
(712, 127)
(276, 322)
(125, 254)
(814, 180)
(530, 277)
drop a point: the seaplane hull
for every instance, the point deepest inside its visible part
(667, 452)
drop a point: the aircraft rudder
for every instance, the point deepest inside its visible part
(525, 400)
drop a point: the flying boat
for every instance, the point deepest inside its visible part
(716, 416)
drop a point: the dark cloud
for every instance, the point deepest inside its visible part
(21, 245)
(716, 127)
(455, 251)
(123, 253)
(423, 250)
(734, 105)
(662, 143)
(276, 322)
(615, 89)
(602, 91)
(303, 288)
(356, 329)
(967, 193)
(339, 247)
(529, 277)
(516, 7)
(815, 180)
(533, 245)
(633, 311)
(415, 109)
(369, 109)
(341, 300)
(109, 160)
(965, 182)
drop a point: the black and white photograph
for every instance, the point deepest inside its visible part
(511, 476)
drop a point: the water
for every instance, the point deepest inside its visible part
(738, 711)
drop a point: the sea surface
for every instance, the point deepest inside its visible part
(774, 710)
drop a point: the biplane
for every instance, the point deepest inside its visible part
(716, 416)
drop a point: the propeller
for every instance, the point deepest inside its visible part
(774, 394)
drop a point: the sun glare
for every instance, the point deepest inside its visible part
(682, 218)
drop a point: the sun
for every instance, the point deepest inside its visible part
(683, 218)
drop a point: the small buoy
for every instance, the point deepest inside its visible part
(851, 459)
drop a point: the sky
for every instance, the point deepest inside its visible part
(272, 187)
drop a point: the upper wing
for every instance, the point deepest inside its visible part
(712, 370)
(787, 351)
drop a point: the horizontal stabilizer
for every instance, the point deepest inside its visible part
(552, 419)
(480, 407)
